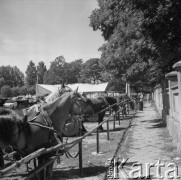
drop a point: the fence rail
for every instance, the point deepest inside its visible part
(62, 148)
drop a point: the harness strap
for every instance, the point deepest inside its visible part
(46, 117)
(47, 120)
(43, 126)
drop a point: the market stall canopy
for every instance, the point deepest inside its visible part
(44, 89)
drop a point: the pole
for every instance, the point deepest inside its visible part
(107, 130)
(97, 136)
(119, 117)
(80, 159)
(80, 153)
(114, 123)
(37, 74)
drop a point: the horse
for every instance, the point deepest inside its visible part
(127, 102)
(29, 133)
(57, 93)
(123, 105)
(50, 97)
(73, 123)
(99, 103)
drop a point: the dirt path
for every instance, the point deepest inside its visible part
(94, 165)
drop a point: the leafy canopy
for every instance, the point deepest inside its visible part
(142, 39)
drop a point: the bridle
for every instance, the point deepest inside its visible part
(47, 124)
(74, 101)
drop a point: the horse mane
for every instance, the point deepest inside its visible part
(112, 100)
(56, 94)
(9, 120)
(97, 105)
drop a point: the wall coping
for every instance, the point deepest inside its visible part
(171, 74)
(177, 66)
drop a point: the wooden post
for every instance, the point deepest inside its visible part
(34, 173)
(80, 159)
(97, 140)
(107, 130)
(44, 173)
(114, 123)
(127, 105)
(119, 117)
(80, 153)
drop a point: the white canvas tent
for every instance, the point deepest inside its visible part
(89, 89)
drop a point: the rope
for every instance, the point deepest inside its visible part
(73, 143)
(68, 155)
(110, 106)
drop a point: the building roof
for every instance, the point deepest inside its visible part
(89, 87)
(43, 89)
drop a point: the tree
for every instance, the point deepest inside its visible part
(1, 82)
(31, 90)
(130, 50)
(46, 78)
(73, 74)
(41, 70)
(6, 75)
(11, 76)
(6, 91)
(116, 85)
(15, 91)
(18, 77)
(23, 90)
(91, 71)
(31, 74)
(106, 17)
(161, 24)
(57, 71)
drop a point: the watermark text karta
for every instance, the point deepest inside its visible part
(118, 170)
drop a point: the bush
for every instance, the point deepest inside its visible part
(23, 90)
(6, 91)
(15, 91)
(31, 90)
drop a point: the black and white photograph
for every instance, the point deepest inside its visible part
(90, 89)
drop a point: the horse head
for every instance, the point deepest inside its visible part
(80, 104)
(11, 126)
(24, 135)
(113, 102)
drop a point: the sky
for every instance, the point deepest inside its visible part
(41, 30)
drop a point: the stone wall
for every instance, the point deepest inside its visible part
(168, 102)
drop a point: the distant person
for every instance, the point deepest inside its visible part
(141, 101)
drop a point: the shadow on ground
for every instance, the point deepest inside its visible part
(75, 173)
(158, 123)
(112, 130)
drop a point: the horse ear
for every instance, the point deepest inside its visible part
(25, 119)
(76, 91)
